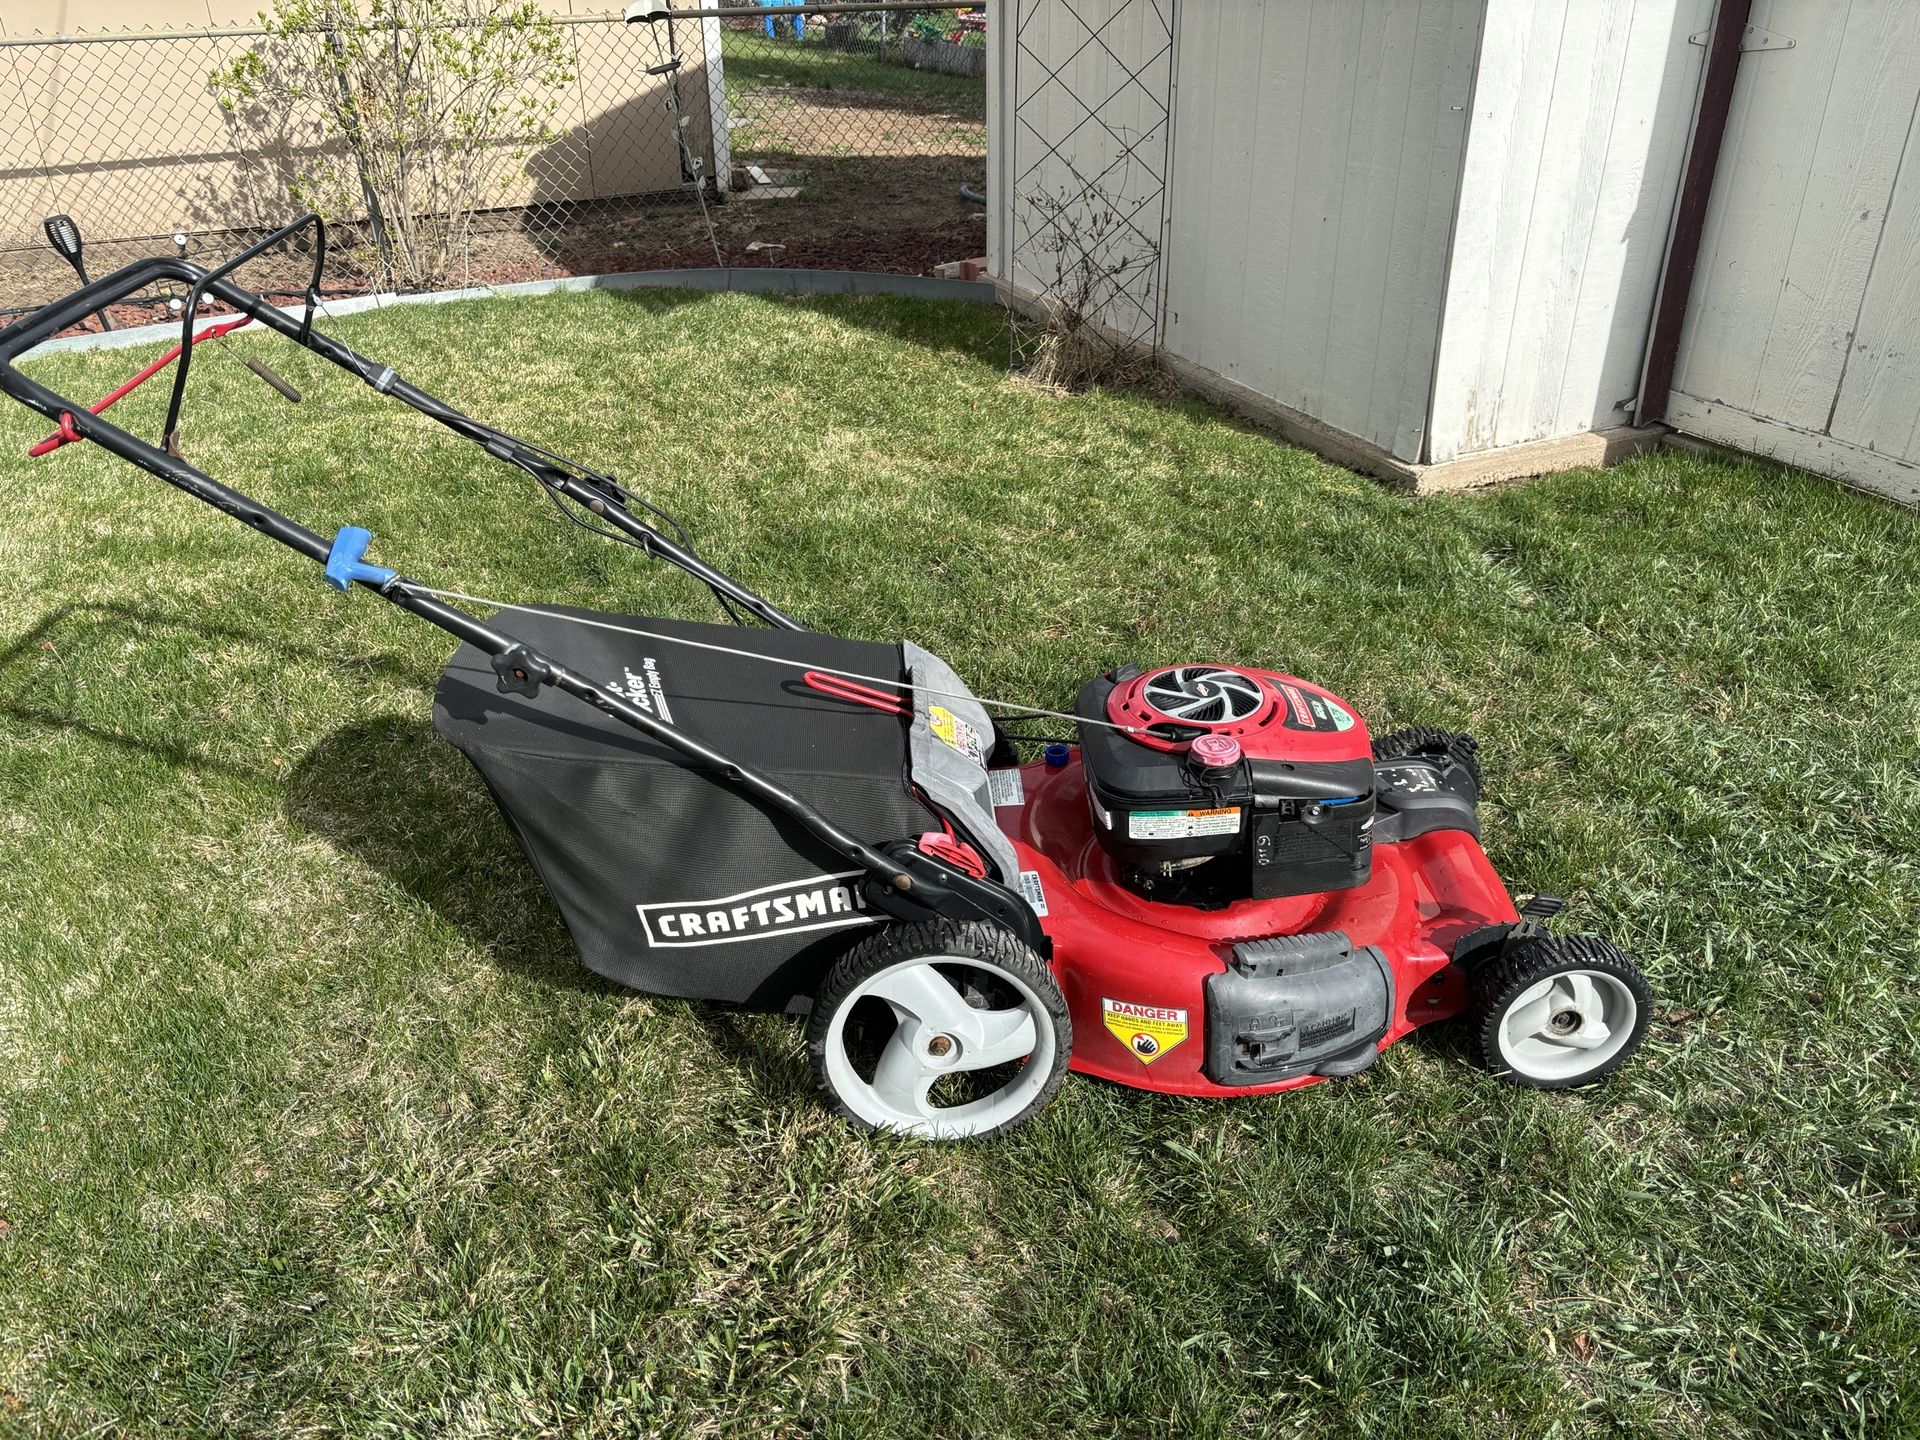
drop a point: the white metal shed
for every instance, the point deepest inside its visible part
(1428, 237)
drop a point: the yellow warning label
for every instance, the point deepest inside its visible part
(950, 730)
(1149, 1031)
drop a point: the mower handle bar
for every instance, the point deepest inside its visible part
(170, 430)
(892, 884)
(604, 499)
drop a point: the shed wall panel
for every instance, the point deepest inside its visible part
(1799, 334)
(1580, 115)
(1317, 148)
(1879, 405)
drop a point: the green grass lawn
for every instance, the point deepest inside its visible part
(310, 1124)
(755, 62)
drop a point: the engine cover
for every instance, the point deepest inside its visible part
(1276, 798)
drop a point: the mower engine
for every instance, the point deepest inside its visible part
(1231, 784)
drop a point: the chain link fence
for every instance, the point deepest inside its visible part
(839, 140)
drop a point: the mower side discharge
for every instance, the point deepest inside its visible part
(1227, 887)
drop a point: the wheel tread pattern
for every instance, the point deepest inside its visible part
(1430, 740)
(1509, 970)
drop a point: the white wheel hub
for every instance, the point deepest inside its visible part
(937, 1033)
(1568, 1024)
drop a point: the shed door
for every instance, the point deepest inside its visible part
(1802, 338)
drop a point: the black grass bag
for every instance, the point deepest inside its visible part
(669, 879)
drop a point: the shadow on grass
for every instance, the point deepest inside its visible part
(1448, 1041)
(990, 336)
(765, 1049)
(396, 796)
(390, 792)
(61, 644)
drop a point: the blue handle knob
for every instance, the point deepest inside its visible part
(344, 565)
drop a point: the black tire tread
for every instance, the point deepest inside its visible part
(1495, 981)
(904, 940)
(1430, 740)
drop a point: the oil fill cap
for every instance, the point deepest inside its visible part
(1216, 752)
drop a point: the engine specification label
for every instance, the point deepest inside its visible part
(1183, 824)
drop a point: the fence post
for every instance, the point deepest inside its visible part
(719, 110)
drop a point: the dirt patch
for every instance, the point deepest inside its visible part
(899, 214)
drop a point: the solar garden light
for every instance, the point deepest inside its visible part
(64, 236)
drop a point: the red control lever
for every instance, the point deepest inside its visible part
(66, 434)
(841, 688)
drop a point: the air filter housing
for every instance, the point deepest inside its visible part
(1278, 801)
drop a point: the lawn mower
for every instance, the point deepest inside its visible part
(1225, 887)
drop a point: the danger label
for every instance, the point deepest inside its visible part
(1148, 1031)
(1183, 824)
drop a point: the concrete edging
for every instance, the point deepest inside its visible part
(746, 280)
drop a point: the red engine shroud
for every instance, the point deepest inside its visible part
(1424, 895)
(1273, 716)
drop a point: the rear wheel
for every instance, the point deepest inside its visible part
(940, 1030)
(1433, 744)
(1551, 1013)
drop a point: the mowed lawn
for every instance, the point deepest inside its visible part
(311, 1124)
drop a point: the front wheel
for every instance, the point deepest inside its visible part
(940, 1030)
(1551, 1013)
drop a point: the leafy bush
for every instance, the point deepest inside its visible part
(428, 111)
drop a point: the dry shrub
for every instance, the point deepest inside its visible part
(1077, 334)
